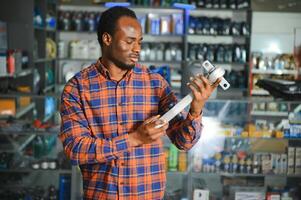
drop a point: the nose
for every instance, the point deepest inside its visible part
(137, 47)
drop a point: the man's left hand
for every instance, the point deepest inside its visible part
(201, 90)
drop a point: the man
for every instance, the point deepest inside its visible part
(109, 112)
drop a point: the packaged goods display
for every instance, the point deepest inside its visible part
(217, 26)
(249, 147)
(161, 52)
(243, 162)
(151, 23)
(220, 53)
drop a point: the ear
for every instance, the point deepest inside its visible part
(106, 39)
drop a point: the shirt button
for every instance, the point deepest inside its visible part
(121, 183)
(120, 103)
(121, 123)
(122, 163)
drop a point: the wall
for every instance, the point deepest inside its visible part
(273, 32)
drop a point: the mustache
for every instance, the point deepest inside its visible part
(135, 55)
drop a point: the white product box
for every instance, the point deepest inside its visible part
(275, 197)
(298, 151)
(249, 196)
(291, 160)
(200, 194)
(283, 163)
(298, 165)
(266, 163)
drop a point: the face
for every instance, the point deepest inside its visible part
(125, 44)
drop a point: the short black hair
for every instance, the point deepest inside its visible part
(108, 20)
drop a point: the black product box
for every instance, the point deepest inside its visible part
(3, 35)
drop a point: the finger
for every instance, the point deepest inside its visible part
(199, 84)
(216, 83)
(195, 92)
(158, 135)
(205, 81)
(161, 123)
(151, 119)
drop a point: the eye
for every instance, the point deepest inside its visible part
(129, 41)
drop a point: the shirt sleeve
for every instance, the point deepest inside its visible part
(184, 130)
(80, 146)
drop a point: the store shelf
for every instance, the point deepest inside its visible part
(23, 94)
(212, 39)
(61, 171)
(78, 59)
(28, 133)
(196, 174)
(162, 38)
(39, 28)
(20, 112)
(137, 9)
(44, 60)
(48, 88)
(172, 64)
(259, 92)
(176, 173)
(22, 73)
(269, 113)
(50, 29)
(258, 138)
(48, 117)
(26, 142)
(274, 72)
(17, 144)
(23, 111)
(224, 11)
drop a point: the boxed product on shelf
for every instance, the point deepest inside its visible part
(266, 163)
(295, 130)
(199, 194)
(165, 25)
(7, 107)
(291, 160)
(14, 61)
(3, 66)
(153, 24)
(24, 101)
(298, 161)
(173, 158)
(249, 196)
(158, 24)
(177, 24)
(3, 35)
(142, 20)
(51, 49)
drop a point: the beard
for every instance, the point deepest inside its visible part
(122, 65)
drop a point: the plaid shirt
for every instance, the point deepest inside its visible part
(98, 113)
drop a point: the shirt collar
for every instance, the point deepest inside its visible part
(105, 72)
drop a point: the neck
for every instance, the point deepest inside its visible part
(115, 72)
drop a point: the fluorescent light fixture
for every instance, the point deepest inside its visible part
(273, 47)
(184, 6)
(113, 4)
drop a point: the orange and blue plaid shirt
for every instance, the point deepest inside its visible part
(98, 113)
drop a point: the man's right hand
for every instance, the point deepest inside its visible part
(147, 132)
